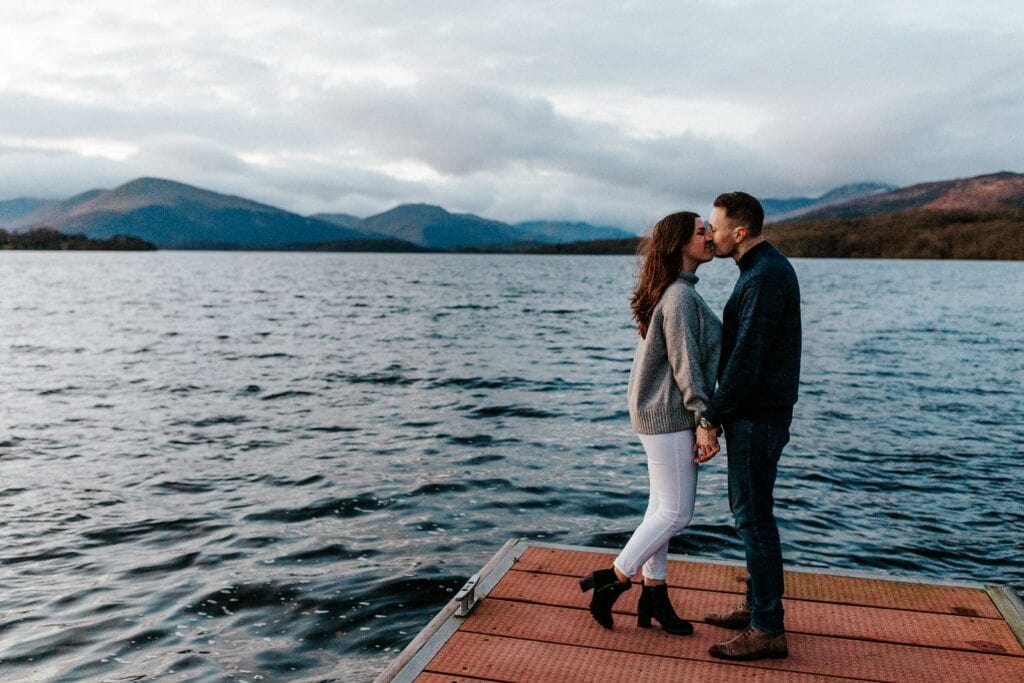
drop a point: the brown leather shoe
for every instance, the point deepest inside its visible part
(737, 618)
(753, 643)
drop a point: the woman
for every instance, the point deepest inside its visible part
(670, 383)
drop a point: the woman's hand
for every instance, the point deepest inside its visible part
(706, 446)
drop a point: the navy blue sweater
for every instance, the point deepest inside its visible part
(759, 370)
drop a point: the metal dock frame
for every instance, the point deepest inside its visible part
(414, 658)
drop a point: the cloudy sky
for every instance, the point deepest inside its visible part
(610, 112)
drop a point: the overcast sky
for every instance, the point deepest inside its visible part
(614, 113)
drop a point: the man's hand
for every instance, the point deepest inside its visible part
(707, 445)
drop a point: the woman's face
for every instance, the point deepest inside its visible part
(699, 247)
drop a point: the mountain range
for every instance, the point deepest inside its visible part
(996, 192)
(867, 219)
(175, 215)
(972, 218)
(782, 209)
(967, 218)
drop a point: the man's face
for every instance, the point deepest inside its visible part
(720, 232)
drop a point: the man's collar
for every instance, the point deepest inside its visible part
(753, 254)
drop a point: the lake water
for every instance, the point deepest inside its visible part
(266, 466)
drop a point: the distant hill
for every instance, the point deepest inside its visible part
(433, 227)
(175, 215)
(996, 192)
(557, 232)
(967, 218)
(50, 211)
(345, 220)
(13, 209)
(781, 209)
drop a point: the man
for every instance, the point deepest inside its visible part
(758, 376)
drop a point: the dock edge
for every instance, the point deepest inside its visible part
(1011, 607)
(417, 654)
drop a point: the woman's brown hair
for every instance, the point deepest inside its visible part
(662, 254)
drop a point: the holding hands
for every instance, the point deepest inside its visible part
(706, 446)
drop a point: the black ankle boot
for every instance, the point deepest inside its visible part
(654, 603)
(607, 589)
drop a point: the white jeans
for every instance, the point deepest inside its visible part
(673, 489)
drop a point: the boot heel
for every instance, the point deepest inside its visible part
(607, 588)
(643, 620)
(654, 603)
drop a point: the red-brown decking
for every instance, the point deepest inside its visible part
(534, 626)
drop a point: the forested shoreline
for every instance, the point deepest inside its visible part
(54, 240)
(920, 234)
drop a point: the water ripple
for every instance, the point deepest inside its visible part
(215, 466)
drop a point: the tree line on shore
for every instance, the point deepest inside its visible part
(916, 234)
(50, 239)
(921, 234)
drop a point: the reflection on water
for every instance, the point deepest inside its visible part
(281, 465)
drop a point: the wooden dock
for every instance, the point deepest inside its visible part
(525, 619)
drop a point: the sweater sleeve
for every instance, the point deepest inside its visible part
(758, 301)
(681, 326)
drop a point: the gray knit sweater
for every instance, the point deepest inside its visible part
(674, 369)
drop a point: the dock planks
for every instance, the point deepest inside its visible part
(533, 625)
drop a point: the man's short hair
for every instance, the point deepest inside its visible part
(744, 209)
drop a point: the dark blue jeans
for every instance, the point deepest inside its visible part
(754, 451)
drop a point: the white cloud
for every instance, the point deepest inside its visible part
(615, 112)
